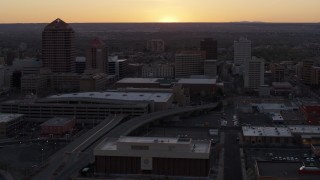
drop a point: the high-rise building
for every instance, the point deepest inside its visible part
(307, 71)
(188, 63)
(210, 47)
(58, 49)
(97, 57)
(156, 45)
(118, 67)
(254, 73)
(242, 51)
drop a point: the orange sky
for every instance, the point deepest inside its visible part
(26, 11)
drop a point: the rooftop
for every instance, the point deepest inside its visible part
(266, 131)
(283, 170)
(138, 80)
(57, 121)
(304, 129)
(115, 95)
(282, 85)
(97, 43)
(180, 144)
(276, 117)
(58, 24)
(9, 117)
(197, 81)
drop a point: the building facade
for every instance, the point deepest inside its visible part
(89, 106)
(153, 155)
(158, 71)
(118, 67)
(97, 57)
(254, 73)
(58, 126)
(210, 47)
(58, 47)
(188, 63)
(10, 124)
(156, 45)
(210, 68)
(242, 51)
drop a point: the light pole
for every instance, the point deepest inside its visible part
(41, 156)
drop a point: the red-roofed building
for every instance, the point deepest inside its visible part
(311, 113)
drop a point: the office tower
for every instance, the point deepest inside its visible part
(97, 57)
(307, 71)
(210, 47)
(188, 63)
(156, 45)
(242, 51)
(254, 73)
(118, 67)
(58, 49)
(210, 68)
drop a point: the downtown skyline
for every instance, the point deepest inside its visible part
(95, 11)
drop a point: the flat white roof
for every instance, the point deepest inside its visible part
(158, 146)
(262, 106)
(276, 117)
(114, 95)
(138, 80)
(304, 129)
(196, 81)
(266, 131)
(9, 117)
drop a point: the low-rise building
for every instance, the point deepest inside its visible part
(268, 170)
(153, 155)
(58, 126)
(281, 136)
(311, 113)
(197, 87)
(138, 83)
(281, 88)
(10, 124)
(275, 136)
(89, 106)
(93, 82)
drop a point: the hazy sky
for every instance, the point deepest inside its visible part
(25, 11)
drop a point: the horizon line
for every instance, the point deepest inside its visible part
(180, 22)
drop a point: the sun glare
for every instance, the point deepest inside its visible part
(168, 20)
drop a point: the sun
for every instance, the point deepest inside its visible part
(168, 20)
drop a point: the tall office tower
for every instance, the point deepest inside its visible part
(254, 73)
(307, 71)
(210, 47)
(156, 45)
(188, 63)
(97, 57)
(58, 49)
(278, 72)
(242, 51)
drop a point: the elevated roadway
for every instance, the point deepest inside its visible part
(81, 152)
(60, 158)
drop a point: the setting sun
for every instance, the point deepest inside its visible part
(168, 20)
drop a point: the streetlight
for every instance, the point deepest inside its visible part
(41, 156)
